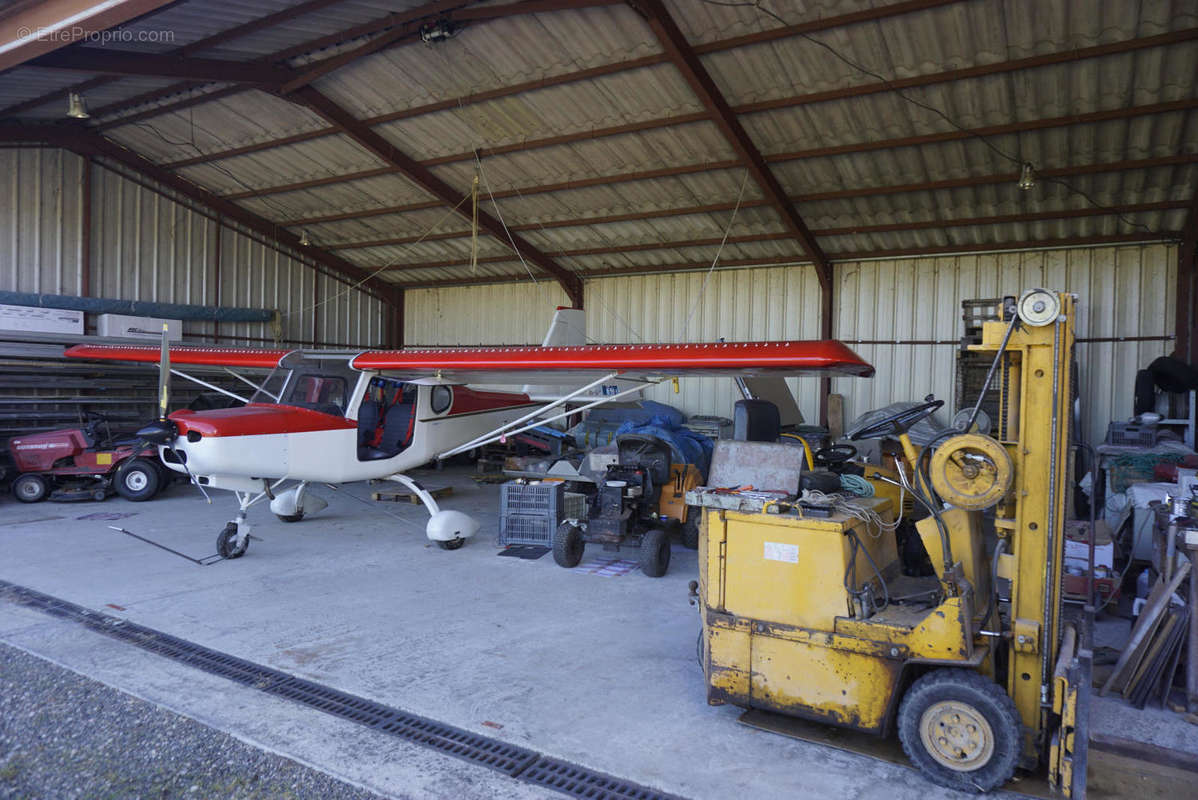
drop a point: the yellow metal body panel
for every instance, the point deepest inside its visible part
(683, 478)
(787, 569)
(968, 549)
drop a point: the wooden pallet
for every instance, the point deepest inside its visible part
(408, 497)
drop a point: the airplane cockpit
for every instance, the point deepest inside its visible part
(386, 418)
(324, 385)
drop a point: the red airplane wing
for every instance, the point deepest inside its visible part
(518, 364)
(207, 356)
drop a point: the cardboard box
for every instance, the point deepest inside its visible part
(29, 319)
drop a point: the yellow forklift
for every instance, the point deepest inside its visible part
(805, 611)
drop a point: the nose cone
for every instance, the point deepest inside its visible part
(161, 431)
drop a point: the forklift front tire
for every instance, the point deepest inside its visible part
(138, 480)
(961, 730)
(655, 553)
(30, 488)
(568, 545)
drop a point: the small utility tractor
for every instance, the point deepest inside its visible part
(640, 503)
(84, 463)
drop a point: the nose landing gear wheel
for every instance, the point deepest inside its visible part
(655, 553)
(226, 543)
(451, 544)
(961, 730)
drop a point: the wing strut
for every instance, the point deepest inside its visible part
(505, 430)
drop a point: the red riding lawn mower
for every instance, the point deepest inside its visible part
(85, 464)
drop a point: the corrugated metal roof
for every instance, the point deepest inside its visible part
(515, 50)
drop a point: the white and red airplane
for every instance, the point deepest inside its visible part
(335, 417)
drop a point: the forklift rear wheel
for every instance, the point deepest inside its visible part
(30, 488)
(138, 480)
(296, 517)
(451, 544)
(655, 553)
(226, 543)
(568, 545)
(961, 730)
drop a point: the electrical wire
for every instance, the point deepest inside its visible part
(756, 4)
(727, 230)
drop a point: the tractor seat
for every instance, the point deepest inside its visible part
(649, 452)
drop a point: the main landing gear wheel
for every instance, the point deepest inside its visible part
(449, 544)
(138, 480)
(30, 488)
(961, 730)
(296, 517)
(226, 543)
(655, 553)
(568, 545)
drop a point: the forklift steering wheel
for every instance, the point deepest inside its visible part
(898, 423)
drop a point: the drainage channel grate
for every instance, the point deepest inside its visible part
(512, 760)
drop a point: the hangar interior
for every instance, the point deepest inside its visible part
(433, 180)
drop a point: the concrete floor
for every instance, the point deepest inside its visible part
(593, 669)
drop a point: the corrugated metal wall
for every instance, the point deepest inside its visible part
(147, 246)
(1124, 292)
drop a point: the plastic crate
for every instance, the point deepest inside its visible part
(526, 529)
(537, 499)
(1131, 434)
(576, 506)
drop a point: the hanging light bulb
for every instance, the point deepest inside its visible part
(76, 106)
(304, 240)
(1027, 176)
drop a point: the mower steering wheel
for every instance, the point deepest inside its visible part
(898, 423)
(835, 455)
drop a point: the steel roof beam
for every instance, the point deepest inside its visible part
(647, 269)
(426, 180)
(676, 46)
(197, 46)
(813, 26)
(877, 191)
(124, 62)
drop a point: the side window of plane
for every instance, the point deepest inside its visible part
(440, 399)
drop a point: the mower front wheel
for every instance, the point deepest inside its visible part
(30, 488)
(138, 480)
(655, 553)
(568, 545)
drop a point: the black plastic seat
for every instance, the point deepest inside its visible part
(756, 421)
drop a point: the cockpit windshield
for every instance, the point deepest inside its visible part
(323, 385)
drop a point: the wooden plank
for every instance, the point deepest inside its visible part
(1150, 616)
(408, 497)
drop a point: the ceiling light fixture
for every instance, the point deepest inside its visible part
(1027, 176)
(76, 106)
(304, 240)
(439, 31)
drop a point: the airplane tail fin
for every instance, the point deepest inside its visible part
(569, 328)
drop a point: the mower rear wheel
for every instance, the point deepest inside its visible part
(568, 545)
(655, 553)
(138, 480)
(30, 488)
(690, 530)
(226, 543)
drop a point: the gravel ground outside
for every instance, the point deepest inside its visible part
(65, 736)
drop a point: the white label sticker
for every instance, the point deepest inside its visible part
(777, 551)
